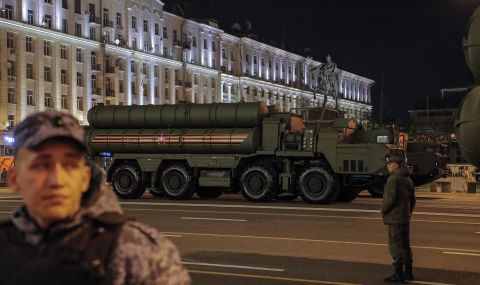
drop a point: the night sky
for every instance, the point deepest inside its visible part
(416, 43)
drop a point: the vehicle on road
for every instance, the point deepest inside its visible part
(179, 150)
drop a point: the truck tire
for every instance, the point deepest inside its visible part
(316, 185)
(177, 182)
(257, 184)
(209, 193)
(376, 191)
(127, 182)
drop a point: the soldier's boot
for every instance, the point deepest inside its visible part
(397, 277)
(408, 272)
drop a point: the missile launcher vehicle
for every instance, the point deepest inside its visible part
(179, 150)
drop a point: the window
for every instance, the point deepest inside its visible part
(11, 95)
(64, 102)
(194, 41)
(10, 40)
(213, 46)
(63, 76)
(8, 12)
(11, 122)
(30, 17)
(64, 26)
(254, 59)
(134, 44)
(94, 81)
(79, 55)
(224, 55)
(29, 71)
(30, 101)
(134, 23)
(145, 26)
(65, 4)
(80, 103)
(247, 58)
(155, 70)
(132, 66)
(79, 79)
(92, 33)
(48, 99)
(47, 74)
(263, 62)
(47, 22)
(78, 30)
(10, 68)
(48, 1)
(106, 18)
(119, 19)
(157, 30)
(144, 68)
(78, 6)
(204, 43)
(93, 58)
(165, 33)
(120, 86)
(174, 35)
(46, 48)
(63, 52)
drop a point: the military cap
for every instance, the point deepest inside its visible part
(396, 159)
(42, 126)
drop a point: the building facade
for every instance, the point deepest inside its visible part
(70, 55)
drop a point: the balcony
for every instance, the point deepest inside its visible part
(110, 93)
(96, 67)
(108, 23)
(94, 20)
(180, 44)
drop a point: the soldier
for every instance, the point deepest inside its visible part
(397, 208)
(70, 230)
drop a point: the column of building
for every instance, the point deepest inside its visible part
(171, 85)
(20, 69)
(56, 75)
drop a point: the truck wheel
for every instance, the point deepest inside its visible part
(376, 191)
(316, 185)
(127, 182)
(209, 193)
(177, 182)
(256, 184)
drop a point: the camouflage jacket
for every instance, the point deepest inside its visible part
(142, 255)
(398, 198)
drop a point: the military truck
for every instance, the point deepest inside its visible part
(179, 150)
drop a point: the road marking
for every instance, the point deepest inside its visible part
(293, 208)
(234, 266)
(212, 219)
(461, 253)
(173, 235)
(303, 281)
(428, 283)
(5, 212)
(317, 240)
(288, 215)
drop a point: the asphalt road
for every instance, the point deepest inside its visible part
(231, 241)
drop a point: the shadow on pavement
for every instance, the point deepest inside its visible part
(305, 271)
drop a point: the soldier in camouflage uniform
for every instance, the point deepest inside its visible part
(70, 230)
(397, 208)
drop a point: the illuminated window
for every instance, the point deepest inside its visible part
(11, 95)
(48, 99)
(63, 76)
(80, 103)
(79, 55)
(64, 102)
(79, 79)
(63, 51)
(46, 48)
(10, 40)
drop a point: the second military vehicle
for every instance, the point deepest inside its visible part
(183, 149)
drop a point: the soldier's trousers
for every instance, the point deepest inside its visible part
(399, 243)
